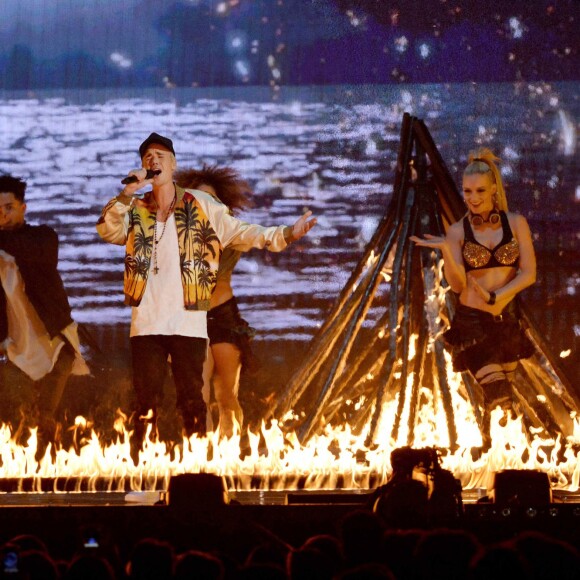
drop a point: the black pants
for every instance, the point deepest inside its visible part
(150, 365)
(36, 399)
(50, 388)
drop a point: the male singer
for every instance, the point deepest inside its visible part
(174, 239)
(37, 331)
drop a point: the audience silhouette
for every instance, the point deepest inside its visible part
(362, 547)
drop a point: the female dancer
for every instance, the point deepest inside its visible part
(488, 260)
(229, 334)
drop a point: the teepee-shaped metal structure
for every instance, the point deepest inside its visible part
(385, 324)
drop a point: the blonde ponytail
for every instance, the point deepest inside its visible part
(483, 161)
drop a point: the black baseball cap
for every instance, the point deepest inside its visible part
(156, 138)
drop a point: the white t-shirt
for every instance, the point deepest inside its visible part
(161, 310)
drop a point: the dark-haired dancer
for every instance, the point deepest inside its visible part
(37, 331)
(489, 259)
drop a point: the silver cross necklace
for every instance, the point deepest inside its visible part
(156, 240)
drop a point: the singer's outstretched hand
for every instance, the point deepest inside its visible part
(302, 226)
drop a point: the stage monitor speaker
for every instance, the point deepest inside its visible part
(197, 491)
(521, 487)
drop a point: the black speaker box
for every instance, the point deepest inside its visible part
(197, 491)
(521, 487)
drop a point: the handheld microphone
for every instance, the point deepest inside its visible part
(133, 178)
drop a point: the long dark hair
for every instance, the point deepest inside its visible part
(230, 188)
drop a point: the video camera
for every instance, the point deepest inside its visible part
(419, 491)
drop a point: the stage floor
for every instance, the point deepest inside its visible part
(255, 497)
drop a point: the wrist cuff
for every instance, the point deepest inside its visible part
(125, 199)
(288, 237)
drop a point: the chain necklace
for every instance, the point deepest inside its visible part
(156, 240)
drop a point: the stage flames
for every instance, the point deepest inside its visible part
(274, 458)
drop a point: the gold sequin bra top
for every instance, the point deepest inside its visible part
(476, 256)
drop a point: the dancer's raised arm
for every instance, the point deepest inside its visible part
(450, 248)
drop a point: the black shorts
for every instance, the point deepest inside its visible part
(477, 338)
(225, 324)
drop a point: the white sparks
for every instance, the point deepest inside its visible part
(242, 68)
(121, 60)
(516, 28)
(506, 171)
(567, 133)
(510, 153)
(401, 44)
(354, 19)
(424, 50)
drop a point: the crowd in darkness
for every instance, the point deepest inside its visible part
(362, 547)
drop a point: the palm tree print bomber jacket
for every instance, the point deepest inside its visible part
(204, 228)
